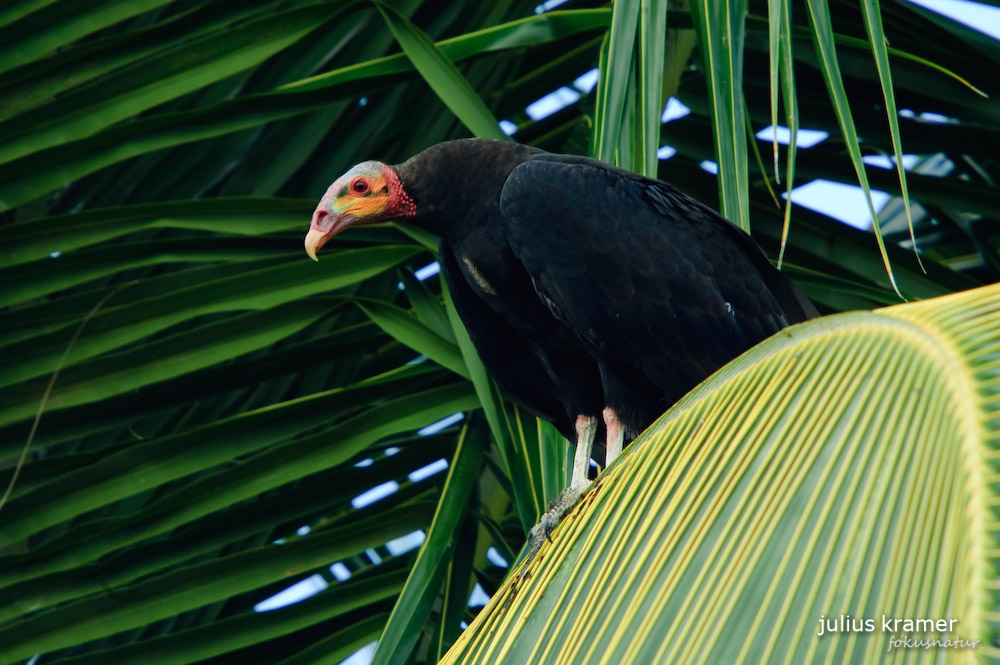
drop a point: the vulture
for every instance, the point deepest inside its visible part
(594, 296)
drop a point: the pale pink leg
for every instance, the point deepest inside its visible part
(616, 435)
(586, 428)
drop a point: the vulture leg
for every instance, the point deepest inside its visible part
(586, 428)
(616, 436)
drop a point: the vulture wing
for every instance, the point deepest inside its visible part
(654, 283)
(503, 349)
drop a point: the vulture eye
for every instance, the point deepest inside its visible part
(360, 185)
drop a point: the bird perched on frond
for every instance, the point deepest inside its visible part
(593, 295)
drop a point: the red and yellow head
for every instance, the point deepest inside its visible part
(368, 193)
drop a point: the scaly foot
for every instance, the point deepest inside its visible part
(586, 428)
(550, 518)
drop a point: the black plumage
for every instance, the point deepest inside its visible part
(584, 286)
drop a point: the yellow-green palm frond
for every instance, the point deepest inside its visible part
(843, 467)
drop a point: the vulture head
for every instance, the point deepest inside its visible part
(368, 193)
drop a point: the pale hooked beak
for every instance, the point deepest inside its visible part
(324, 226)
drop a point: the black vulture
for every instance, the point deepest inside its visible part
(595, 297)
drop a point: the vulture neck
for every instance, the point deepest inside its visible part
(456, 185)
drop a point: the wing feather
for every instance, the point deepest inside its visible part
(505, 352)
(645, 276)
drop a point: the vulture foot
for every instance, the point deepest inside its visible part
(539, 533)
(586, 428)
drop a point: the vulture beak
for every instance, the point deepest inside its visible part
(324, 226)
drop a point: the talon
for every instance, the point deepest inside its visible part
(563, 504)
